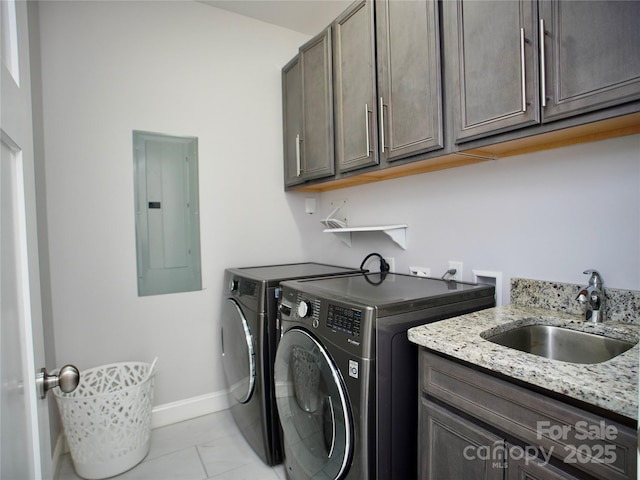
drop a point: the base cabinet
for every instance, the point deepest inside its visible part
(475, 425)
(458, 448)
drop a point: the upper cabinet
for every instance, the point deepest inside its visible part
(493, 68)
(397, 87)
(387, 94)
(409, 78)
(307, 95)
(387, 82)
(292, 121)
(591, 55)
(354, 86)
(515, 64)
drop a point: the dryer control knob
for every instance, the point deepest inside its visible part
(304, 309)
(233, 285)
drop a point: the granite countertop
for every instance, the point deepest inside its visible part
(612, 385)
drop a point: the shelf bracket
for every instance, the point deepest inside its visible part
(345, 237)
(398, 235)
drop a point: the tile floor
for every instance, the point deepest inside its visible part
(208, 447)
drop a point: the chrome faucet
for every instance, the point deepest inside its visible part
(592, 298)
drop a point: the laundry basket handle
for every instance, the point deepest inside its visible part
(151, 369)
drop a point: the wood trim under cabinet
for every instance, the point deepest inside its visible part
(590, 132)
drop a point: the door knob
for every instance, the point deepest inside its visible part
(67, 379)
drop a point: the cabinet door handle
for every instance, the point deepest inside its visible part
(382, 124)
(524, 83)
(298, 165)
(543, 74)
(366, 126)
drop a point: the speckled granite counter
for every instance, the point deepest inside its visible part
(612, 385)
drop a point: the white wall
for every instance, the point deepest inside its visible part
(180, 68)
(547, 215)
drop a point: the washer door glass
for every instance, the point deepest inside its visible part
(238, 359)
(313, 407)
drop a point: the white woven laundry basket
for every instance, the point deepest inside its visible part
(107, 419)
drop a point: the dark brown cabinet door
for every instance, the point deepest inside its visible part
(591, 55)
(409, 78)
(292, 121)
(453, 447)
(307, 96)
(493, 69)
(318, 158)
(355, 103)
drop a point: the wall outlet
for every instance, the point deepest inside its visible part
(392, 263)
(420, 271)
(310, 205)
(458, 266)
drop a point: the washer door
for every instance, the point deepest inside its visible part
(238, 358)
(313, 407)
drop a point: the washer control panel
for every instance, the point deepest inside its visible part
(346, 325)
(344, 319)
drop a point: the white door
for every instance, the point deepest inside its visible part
(25, 446)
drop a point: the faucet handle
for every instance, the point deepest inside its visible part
(596, 278)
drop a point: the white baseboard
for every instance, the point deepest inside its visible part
(189, 408)
(166, 414)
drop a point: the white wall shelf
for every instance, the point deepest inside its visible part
(397, 233)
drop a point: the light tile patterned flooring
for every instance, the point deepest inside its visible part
(208, 447)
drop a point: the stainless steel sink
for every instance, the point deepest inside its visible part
(562, 344)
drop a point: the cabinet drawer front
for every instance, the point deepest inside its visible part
(588, 442)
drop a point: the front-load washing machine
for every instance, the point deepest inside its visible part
(249, 339)
(346, 375)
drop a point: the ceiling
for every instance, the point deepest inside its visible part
(305, 16)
